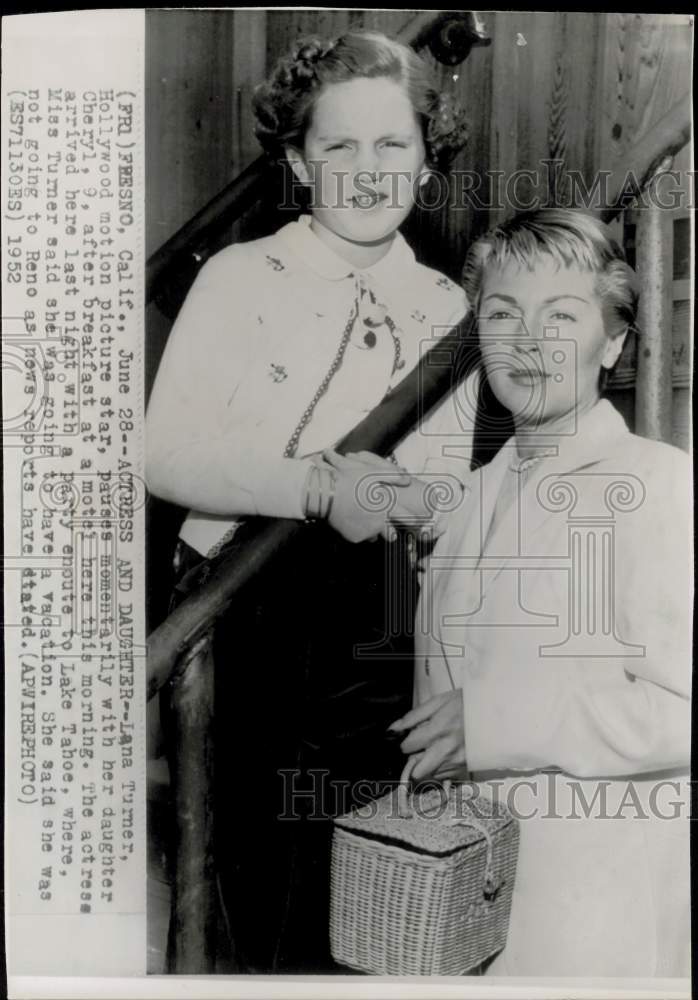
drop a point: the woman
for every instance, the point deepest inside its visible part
(554, 656)
(283, 345)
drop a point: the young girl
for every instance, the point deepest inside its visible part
(558, 667)
(282, 346)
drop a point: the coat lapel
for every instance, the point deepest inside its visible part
(456, 580)
(599, 434)
(467, 562)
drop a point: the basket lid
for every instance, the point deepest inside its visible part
(437, 822)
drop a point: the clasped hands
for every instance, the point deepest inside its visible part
(354, 512)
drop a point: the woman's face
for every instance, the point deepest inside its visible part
(362, 156)
(544, 340)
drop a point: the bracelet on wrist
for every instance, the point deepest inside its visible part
(320, 489)
(332, 492)
(310, 508)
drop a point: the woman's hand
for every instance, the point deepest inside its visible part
(437, 731)
(358, 490)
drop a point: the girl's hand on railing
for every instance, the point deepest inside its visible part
(367, 488)
(377, 495)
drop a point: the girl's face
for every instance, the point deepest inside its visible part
(362, 156)
(544, 340)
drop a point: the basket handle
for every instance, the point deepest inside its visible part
(491, 884)
(405, 798)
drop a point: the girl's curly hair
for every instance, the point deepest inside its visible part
(283, 104)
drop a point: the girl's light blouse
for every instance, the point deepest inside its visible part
(250, 347)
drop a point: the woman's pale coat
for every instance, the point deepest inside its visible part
(567, 628)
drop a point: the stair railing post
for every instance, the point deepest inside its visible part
(654, 264)
(193, 920)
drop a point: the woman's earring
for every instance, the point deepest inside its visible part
(425, 178)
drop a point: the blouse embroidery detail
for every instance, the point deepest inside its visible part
(374, 316)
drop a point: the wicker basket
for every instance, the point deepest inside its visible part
(422, 887)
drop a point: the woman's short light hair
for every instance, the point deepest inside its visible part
(572, 238)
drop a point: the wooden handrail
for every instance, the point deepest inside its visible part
(449, 34)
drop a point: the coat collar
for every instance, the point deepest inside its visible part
(391, 270)
(596, 435)
(601, 434)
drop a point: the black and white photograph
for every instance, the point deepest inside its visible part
(422, 641)
(348, 503)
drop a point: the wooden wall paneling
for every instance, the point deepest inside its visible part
(390, 22)
(608, 137)
(509, 57)
(534, 103)
(545, 82)
(647, 69)
(583, 46)
(661, 52)
(189, 115)
(285, 26)
(599, 152)
(249, 68)
(557, 113)
(555, 101)
(522, 84)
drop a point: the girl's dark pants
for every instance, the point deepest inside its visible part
(301, 712)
